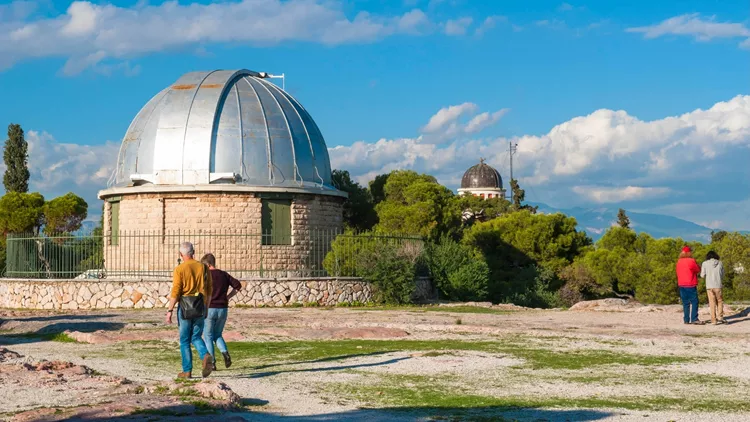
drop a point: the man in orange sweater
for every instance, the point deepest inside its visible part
(687, 280)
(190, 279)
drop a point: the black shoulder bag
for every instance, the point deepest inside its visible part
(194, 307)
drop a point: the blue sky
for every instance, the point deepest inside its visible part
(601, 96)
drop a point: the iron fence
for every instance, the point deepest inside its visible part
(309, 253)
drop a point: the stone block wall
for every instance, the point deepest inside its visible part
(151, 227)
(108, 294)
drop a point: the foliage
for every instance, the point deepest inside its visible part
(15, 155)
(21, 212)
(541, 289)
(580, 284)
(416, 204)
(622, 219)
(377, 188)
(359, 209)
(518, 245)
(391, 273)
(490, 207)
(64, 214)
(458, 273)
(518, 195)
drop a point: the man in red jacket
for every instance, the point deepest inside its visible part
(687, 280)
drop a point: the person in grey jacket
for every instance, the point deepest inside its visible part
(713, 271)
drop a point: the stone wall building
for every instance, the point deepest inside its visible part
(230, 162)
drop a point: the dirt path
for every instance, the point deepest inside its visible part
(135, 345)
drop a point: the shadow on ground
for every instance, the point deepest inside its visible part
(495, 414)
(49, 332)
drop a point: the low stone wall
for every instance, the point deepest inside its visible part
(106, 294)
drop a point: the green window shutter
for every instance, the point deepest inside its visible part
(276, 221)
(115, 229)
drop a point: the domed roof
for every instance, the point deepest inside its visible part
(481, 176)
(219, 127)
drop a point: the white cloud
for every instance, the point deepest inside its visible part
(565, 7)
(489, 23)
(702, 29)
(653, 159)
(447, 116)
(458, 26)
(90, 33)
(603, 195)
(57, 168)
(484, 120)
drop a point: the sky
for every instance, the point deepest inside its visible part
(642, 105)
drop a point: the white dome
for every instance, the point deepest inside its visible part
(223, 127)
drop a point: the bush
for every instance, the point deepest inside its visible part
(390, 272)
(539, 290)
(345, 250)
(457, 272)
(580, 284)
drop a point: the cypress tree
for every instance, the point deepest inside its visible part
(622, 219)
(15, 155)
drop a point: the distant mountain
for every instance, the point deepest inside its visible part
(595, 221)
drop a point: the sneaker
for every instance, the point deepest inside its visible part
(721, 321)
(213, 365)
(227, 359)
(207, 365)
(184, 375)
(698, 322)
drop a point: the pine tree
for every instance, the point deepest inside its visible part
(518, 194)
(622, 219)
(16, 178)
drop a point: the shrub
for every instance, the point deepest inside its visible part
(580, 284)
(345, 250)
(539, 289)
(457, 272)
(391, 273)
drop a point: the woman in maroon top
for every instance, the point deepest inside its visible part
(217, 309)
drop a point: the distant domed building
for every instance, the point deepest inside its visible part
(221, 151)
(482, 180)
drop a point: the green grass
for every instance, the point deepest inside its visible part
(281, 353)
(415, 392)
(58, 337)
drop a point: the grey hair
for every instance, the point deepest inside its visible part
(186, 248)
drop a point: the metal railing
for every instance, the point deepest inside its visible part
(308, 253)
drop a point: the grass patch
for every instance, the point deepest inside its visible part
(57, 337)
(280, 353)
(412, 393)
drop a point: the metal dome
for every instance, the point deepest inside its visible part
(223, 127)
(481, 176)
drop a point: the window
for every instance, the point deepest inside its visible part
(114, 213)
(276, 221)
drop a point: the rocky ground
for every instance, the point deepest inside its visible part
(608, 360)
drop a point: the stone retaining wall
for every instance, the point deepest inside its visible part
(104, 294)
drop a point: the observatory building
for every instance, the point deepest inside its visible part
(483, 181)
(222, 152)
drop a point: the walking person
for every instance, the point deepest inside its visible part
(217, 309)
(191, 288)
(713, 271)
(687, 280)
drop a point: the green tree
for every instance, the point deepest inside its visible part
(21, 212)
(15, 155)
(64, 214)
(457, 271)
(377, 188)
(416, 204)
(529, 242)
(359, 210)
(717, 236)
(490, 207)
(618, 236)
(622, 219)
(518, 195)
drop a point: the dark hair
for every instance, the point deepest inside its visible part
(209, 259)
(712, 255)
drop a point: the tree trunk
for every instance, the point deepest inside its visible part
(40, 254)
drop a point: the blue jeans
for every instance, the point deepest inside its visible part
(190, 332)
(213, 329)
(689, 298)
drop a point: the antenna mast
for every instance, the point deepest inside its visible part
(512, 148)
